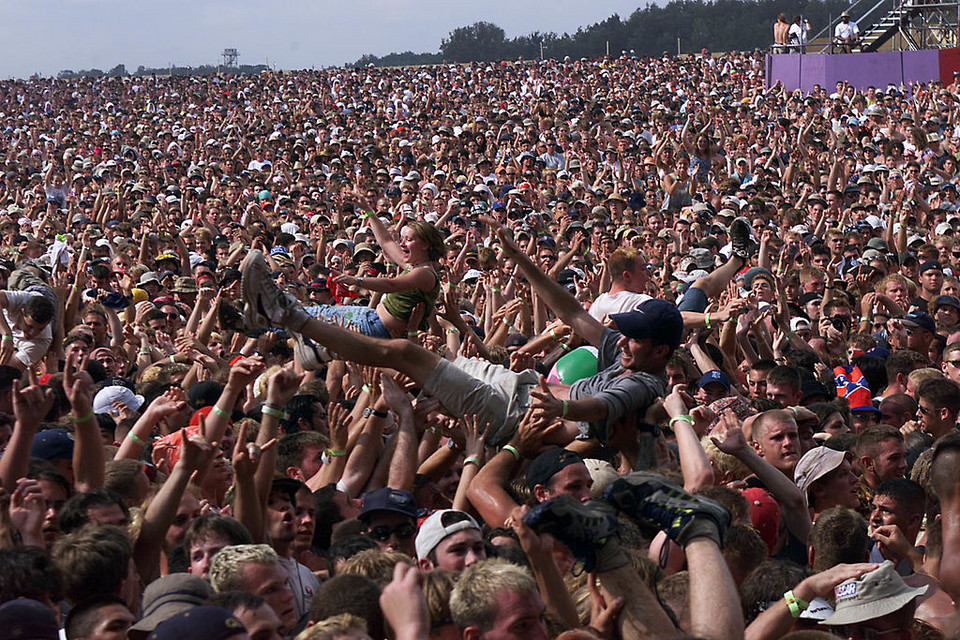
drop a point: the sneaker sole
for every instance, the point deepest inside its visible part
(630, 493)
(309, 357)
(591, 524)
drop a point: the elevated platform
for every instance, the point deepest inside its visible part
(862, 70)
(885, 25)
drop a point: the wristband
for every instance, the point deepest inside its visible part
(706, 320)
(565, 346)
(495, 290)
(471, 460)
(335, 453)
(7, 338)
(512, 449)
(411, 335)
(220, 412)
(795, 604)
(366, 388)
(506, 322)
(173, 360)
(681, 418)
(146, 349)
(452, 331)
(83, 418)
(364, 216)
(553, 334)
(864, 319)
(276, 413)
(566, 408)
(137, 439)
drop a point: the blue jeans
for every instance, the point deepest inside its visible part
(362, 319)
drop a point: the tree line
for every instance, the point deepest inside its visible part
(718, 25)
(120, 71)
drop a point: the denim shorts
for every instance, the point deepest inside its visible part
(361, 319)
(693, 300)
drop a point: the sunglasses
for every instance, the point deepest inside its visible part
(383, 532)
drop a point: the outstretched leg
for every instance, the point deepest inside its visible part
(266, 305)
(714, 283)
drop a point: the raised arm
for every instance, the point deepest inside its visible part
(785, 492)
(89, 460)
(553, 295)
(195, 453)
(403, 465)
(31, 402)
(391, 249)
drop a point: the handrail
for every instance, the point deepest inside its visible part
(827, 31)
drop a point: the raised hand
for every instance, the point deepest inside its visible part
(78, 385)
(247, 455)
(283, 385)
(172, 400)
(195, 452)
(404, 605)
(545, 405)
(603, 614)
(27, 510)
(396, 398)
(245, 370)
(733, 442)
(338, 421)
(474, 437)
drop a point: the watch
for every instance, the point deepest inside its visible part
(367, 412)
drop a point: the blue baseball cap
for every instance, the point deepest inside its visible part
(199, 623)
(657, 319)
(25, 619)
(715, 376)
(920, 319)
(946, 301)
(387, 499)
(52, 444)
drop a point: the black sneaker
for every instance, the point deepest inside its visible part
(265, 304)
(741, 244)
(583, 527)
(308, 353)
(656, 505)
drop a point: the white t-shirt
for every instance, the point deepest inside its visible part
(607, 304)
(29, 351)
(846, 30)
(303, 584)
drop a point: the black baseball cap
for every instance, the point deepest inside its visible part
(548, 464)
(387, 499)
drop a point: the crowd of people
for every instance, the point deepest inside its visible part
(599, 349)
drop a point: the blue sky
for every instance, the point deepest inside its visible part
(46, 36)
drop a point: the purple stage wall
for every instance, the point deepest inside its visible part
(861, 70)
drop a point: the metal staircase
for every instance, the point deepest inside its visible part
(878, 34)
(898, 24)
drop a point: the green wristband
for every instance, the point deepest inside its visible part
(512, 449)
